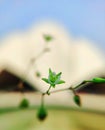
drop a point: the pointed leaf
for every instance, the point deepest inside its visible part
(60, 82)
(46, 80)
(50, 71)
(59, 74)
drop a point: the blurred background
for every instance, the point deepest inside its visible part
(76, 49)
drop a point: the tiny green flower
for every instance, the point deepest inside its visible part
(38, 74)
(53, 78)
(47, 38)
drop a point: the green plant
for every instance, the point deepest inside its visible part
(47, 38)
(55, 79)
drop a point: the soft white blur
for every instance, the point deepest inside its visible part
(77, 59)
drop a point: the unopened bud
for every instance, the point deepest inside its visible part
(38, 74)
(24, 103)
(42, 113)
(77, 100)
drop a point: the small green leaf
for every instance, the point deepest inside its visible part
(98, 80)
(77, 100)
(60, 82)
(46, 80)
(42, 113)
(50, 71)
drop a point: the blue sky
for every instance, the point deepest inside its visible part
(84, 18)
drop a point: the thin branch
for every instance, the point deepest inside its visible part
(48, 90)
(73, 90)
(82, 84)
(66, 89)
(40, 54)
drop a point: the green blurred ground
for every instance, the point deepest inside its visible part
(58, 119)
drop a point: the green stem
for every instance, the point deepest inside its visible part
(82, 83)
(73, 90)
(41, 53)
(33, 60)
(47, 92)
(70, 88)
(42, 99)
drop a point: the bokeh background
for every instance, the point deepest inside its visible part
(77, 28)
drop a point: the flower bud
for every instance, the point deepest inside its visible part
(42, 114)
(24, 103)
(38, 74)
(77, 100)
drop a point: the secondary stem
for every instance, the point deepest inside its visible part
(81, 84)
(43, 94)
(42, 100)
(40, 54)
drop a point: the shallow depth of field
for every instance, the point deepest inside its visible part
(48, 46)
